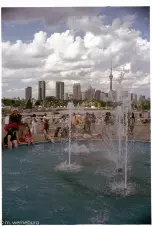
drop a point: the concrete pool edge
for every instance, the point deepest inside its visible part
(57, 141)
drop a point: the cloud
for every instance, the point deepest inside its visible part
(14, 90)
(4, 84)
(50, 15)
(27, 80)
(69, 57)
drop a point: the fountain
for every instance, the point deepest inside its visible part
(94, 195)
(70, 106)
(122, 111)
(68, 166)
(120, 116)
(76, 149)
(127, 106)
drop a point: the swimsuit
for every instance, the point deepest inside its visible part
(13, 137)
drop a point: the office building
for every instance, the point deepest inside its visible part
(90, 93)
(135, 97)
(70, 96)
(97, 95)
(41, 90)
(112, 95)
(103, 96)
(60, 90)
(77, 91)
(66, 96)
(28, 93)
(125, 94)
(83, 95)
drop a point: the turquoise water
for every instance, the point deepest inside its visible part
(35, 190)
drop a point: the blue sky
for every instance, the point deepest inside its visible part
(24, 23)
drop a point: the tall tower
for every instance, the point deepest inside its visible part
(77, 91)
(41, 90)
(28, 93)
(60, 90)
(111, 77)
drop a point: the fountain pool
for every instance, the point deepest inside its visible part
(35, 188)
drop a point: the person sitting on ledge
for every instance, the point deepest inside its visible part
(11, 138)
(27, 136)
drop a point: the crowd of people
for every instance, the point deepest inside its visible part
(18, 131)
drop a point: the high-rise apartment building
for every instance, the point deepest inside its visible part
(28, 93)
(112, 95)
(97, 94)
(125, 94)
(77, 91)
(83, 95)
(103, 96)
(66, 96)
(135, 97)
(70, 96)
(41, 90)
(60, 90)
(90, 93)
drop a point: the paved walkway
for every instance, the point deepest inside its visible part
(141, 132)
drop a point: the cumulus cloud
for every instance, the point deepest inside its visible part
(84, 58)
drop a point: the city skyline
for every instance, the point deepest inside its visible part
(89, 94)
(76, 49)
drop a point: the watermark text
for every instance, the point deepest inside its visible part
(20, 222)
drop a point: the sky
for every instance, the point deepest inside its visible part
(75, 45)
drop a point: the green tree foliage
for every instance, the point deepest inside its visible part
(50, 98)
(29, 104)
(13, 102)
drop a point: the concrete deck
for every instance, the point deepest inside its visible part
(141, 132)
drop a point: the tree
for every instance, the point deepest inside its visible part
(37, 103)
(50, 98)
(29, 104)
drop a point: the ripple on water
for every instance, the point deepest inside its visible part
(76, 149)
(64, 166)
(14, 173)
(119, 188)
(100, 218)
(13, 188)
(24, 160)
(17, 187)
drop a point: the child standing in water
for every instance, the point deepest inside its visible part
(46, 129)
(132, 123)
(27, 137)
(34, 123)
